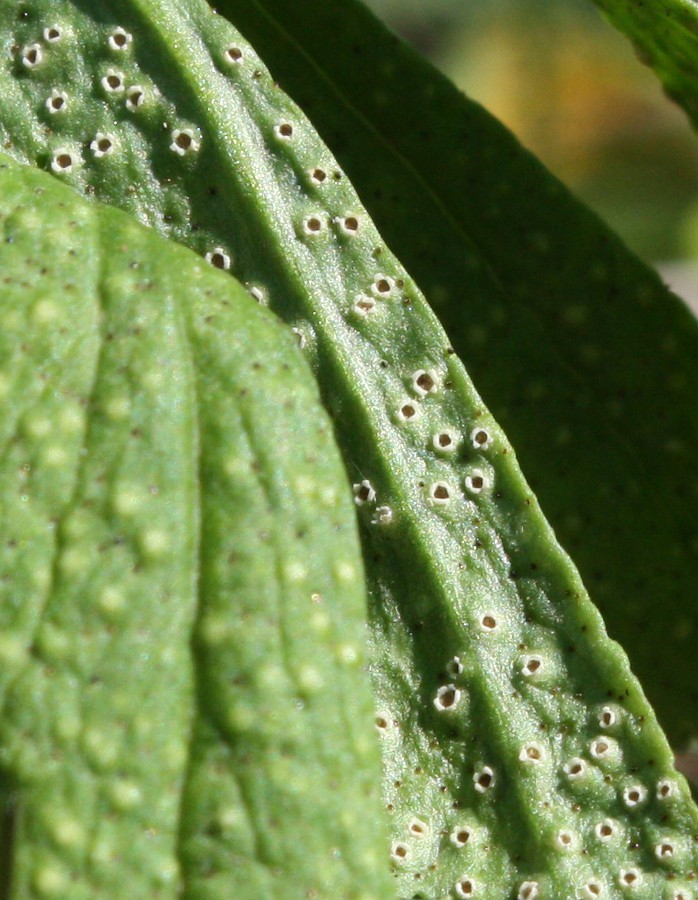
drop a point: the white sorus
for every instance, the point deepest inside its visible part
(233, 54)
(63, 161)
(57, 101)
(348, 224)
(444, 442)
(383, 721)
(184, 141)
(603, 748)
(440, 493)
(447, 697)
(480, 438)
(135, 97)
(575, 768)
(382, 285)
(529, 890)
(454, 667)
(418, 828)
(459, 837)
(363, 305)
(399, 852)
(382, 516)
(52, 34)
(532, 753)
(664, 849)
(608, 717)
(605, 830)
(487, 623)
(476, 482)
(565, 839)
(634, 795)
(113, 82)
(318, 175)
(424, 382)
(680, 894)
(218, 258)
(102, 145)
(119, 39)
(313, 224)
(592, 889)
(408, 411)
(630, 877)
(284, 131)
(665, 789)
(531, 665)
(363, 492)
(484, 779)
(32, 56)
(465, 887)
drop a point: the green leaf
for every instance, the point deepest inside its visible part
(665, 35)
(183, 706)
(521, 757)
(585, 358)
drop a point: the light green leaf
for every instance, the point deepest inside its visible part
(585, 358)
(665, 35)
(183, 711)
(513, 732)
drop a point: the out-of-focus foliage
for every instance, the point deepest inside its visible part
(572, 90)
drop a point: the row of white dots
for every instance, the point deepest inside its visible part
(442, 492)
(317, 223)
(530, 890)
(33, 54)
(65, 160)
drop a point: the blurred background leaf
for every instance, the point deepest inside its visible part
(574, 92)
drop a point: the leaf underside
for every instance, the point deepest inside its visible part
(520, 755)
(588, 362)
(183, 711)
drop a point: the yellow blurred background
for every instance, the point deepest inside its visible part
(573, 91)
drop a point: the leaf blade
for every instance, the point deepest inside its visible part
(580, 351)
(105, 690)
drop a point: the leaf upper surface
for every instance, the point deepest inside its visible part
(183, 709)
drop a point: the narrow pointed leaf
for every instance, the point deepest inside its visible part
(182, 707)
(513, 730)
(586, 359)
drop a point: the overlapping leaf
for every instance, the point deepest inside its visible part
(183, 711)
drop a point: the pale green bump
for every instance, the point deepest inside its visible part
(68, 833)
(51, 881)
(111, 600)
(100, 748)
(125, 795)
